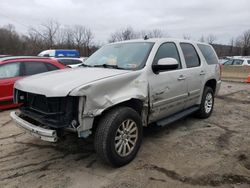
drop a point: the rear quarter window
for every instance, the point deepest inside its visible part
(208, 54)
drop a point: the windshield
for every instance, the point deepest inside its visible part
(130, 56)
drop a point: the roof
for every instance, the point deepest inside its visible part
(22, 57)
(242, 57)
(161, 40)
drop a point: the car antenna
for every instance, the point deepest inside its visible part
(146, 37)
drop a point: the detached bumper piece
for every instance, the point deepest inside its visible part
(42, 133)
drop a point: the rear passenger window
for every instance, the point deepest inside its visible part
(51, 67)
(248, 61)
(168, 50)
(31, 68)
(208, 54)
(191, 57)
(238, 62)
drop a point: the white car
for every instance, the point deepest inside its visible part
(239, 61)
(70, 62)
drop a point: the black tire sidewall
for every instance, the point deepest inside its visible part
(203, 112)
(116, 159)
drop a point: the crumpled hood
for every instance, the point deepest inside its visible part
(60, 83)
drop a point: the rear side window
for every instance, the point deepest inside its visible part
(10, 70)
(168, 50)
(31, 68)
(238, 62)
(191, 57)
(248, 61)
(208, 54)
(51, 67)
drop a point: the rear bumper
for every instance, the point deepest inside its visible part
(42, 133)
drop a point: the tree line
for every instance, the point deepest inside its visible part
(50, 35)
(53, 35)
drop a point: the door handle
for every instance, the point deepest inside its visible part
(181, 77)
(202, 73)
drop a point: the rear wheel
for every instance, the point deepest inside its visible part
(207, 103)
(118, 136)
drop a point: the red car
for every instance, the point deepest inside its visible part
(15, 68)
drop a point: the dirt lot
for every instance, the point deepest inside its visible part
(188, 153)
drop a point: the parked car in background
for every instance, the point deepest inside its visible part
(222, 61)
(60, 53)
(14, 68)
(1, 56)
(83, 58)
(70, 62)
(239, 61)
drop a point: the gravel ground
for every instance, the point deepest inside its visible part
(189, 153)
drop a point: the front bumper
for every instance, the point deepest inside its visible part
(42, 133)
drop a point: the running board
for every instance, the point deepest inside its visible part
(176, 116)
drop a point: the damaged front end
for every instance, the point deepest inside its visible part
(50, 113)
(77, 110)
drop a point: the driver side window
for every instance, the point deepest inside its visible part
(168, 50)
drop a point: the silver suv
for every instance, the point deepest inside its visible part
(118, 90)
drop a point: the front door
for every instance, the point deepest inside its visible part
(168, 89)
(9, 73)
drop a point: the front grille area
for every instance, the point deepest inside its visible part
(56, 112)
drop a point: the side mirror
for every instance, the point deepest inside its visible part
(165, 64)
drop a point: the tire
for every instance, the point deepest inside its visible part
(108, 135)
(206, 106)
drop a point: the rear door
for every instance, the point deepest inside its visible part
(9, 73)
(195, 74)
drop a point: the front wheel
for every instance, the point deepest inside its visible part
(207, 103)
(118, 136)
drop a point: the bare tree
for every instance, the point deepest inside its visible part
(244, 42)
(48, 32)
(124, 34)
(65, 37)
(10, 41)
(83, 38)
(88, 37)
(231, 48)
(211, 38)
(156, 33)
(186, 36)
(202, 39)
(78, 33)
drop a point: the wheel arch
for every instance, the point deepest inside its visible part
(212, 84)
(137, 104)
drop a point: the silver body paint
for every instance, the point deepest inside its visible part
(99, 89)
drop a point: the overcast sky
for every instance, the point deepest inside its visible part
(223, 18)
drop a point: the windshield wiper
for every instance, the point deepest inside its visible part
(108, 66)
